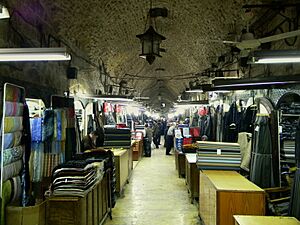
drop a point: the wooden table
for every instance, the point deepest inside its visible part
(180, 163)
(265, 220)
(192, 175)
(223, 194)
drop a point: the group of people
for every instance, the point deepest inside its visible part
(154, 133)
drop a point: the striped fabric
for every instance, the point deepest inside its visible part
(218, 156)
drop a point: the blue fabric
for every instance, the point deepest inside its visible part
(58, 124)
(36, 129)
(48, 126)
(12, 139)
(37, 149)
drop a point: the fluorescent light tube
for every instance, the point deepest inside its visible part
(195, 91)
(4, 14)
(33, 54)
(278, 60)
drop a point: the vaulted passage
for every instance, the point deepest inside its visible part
(155, 195)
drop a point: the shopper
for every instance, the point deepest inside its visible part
(170, 139)
(89, 141)
(156, 134)
(148, 140)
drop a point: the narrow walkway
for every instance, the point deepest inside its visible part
(155, 195)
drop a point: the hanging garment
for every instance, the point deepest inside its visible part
(245, 142)
(36, 129)
(261, 169)
(232, 124)
(48, 126)
(248, 119)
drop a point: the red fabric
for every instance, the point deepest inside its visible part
(195, 131)
(187, 141)
(202, 111)
(121, 125)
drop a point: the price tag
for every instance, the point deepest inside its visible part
(219, 151)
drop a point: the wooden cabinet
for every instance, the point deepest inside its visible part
(265, 220)
(223, 194)
(137, 149)
(192, 176)
(91, 209)
(180, 163)
(122, 168)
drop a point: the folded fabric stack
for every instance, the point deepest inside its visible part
(117, 137)
(218, 155)
(76, 178)
(288, 151)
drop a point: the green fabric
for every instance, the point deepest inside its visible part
(6, 196)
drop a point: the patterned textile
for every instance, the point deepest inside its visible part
(36, 129)
(14, 94)
(11, 155)
(12, 139)
(12, 124)
(16, 188)
(48, 127)
(13, 109)
(37, 163)
(12, 169)
(6, 196)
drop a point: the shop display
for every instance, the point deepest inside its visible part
(218, 155)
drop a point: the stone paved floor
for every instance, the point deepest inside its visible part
(155, 195)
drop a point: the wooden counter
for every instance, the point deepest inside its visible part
(265, 220)
(91, 209)
(180, 163)
(192, 175)
(223, 194)
(122, 168)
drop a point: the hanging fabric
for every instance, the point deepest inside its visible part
(261, 169)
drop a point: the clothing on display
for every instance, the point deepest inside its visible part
(245, 142)
(261, 169)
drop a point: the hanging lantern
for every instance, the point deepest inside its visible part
(150, 44)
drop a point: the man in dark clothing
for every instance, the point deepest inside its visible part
(89, 141)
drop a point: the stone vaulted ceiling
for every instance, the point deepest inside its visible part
(107, 29)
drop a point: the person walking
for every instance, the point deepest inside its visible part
(148, 140)
(170, 139)
(156, 134)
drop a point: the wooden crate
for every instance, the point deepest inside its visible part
(88, 210)
(122, 168)
(223, 194)
(265, 220)
(30, 215)
(180, 163)
(192, 176)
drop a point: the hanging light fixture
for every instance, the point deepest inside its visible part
(151, 40)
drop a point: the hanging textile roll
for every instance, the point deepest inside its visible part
(48, 126)
(261, 169)
(6, 196)
(13, 109)
(12, 169)
(11, 155)
(12, 124)
(36, 129)
(12, 139)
